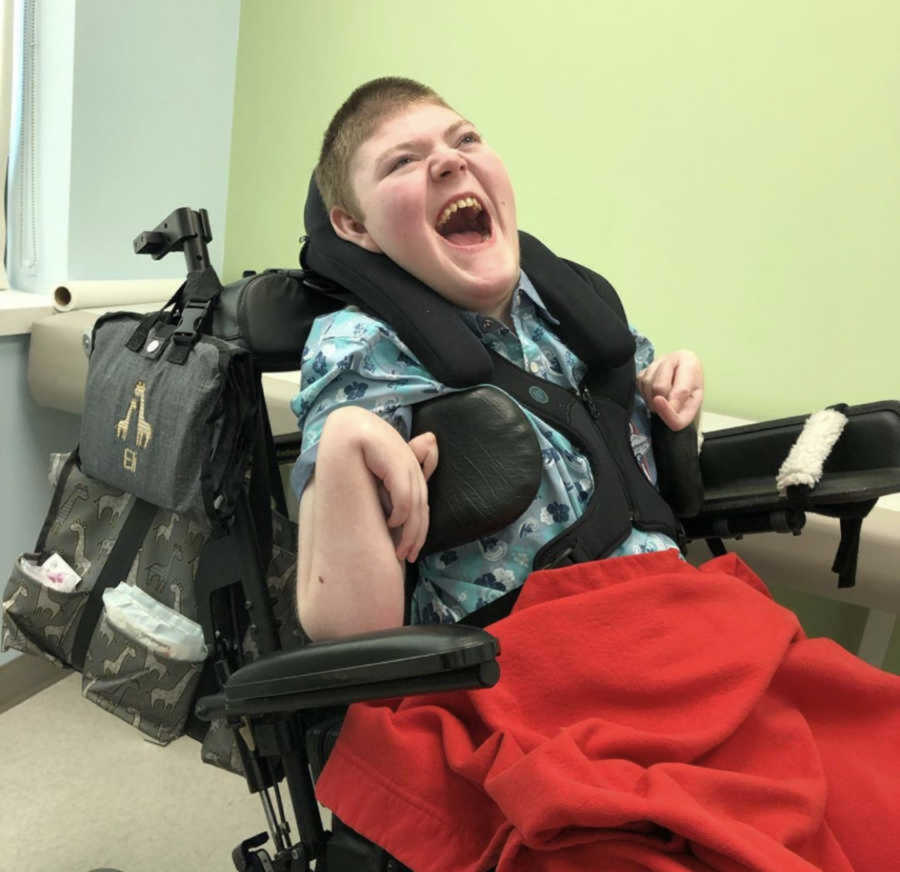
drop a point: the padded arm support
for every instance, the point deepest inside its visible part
(489, 465)
(740, 464)
(677, 467)
(387, 663)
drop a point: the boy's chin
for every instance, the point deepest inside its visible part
(481, 293)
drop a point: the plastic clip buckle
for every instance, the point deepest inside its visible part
(190, 323)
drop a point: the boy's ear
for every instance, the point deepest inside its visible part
(347, 227)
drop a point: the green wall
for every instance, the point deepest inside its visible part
(732, 167)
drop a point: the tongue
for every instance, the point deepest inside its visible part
(464, 237)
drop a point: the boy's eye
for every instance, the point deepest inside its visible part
(469, 138)
(401, 161)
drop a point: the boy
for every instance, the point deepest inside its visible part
(670, 718)
(403, 174)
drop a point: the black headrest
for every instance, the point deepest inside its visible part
(432, 327)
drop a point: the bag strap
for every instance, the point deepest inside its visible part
(58, 495)
(138, 339)
(119, 561)
(200, 292)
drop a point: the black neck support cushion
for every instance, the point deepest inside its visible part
(432, 327)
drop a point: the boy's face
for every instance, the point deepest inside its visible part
(437, 201)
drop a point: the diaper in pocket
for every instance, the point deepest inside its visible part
(143, 663)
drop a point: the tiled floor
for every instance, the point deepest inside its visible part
(81, 790)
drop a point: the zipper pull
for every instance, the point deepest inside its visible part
(588, 400)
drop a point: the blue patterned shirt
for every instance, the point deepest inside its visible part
(353, 359)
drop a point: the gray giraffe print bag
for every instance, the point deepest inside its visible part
(120, 673)
(164, 459)
(129, 676)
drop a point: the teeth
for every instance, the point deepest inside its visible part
(465, 202)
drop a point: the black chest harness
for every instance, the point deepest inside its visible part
(592, 323)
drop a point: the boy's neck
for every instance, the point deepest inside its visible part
(503, 312)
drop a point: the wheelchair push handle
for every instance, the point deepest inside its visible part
(186, 230)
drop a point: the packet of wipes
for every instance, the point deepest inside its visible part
(54, 572)
(161, 629)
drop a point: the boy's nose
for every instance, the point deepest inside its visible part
(447, 163)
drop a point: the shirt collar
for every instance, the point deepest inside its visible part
(483, 325)
(527, 287)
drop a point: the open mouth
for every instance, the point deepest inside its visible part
(464, 222)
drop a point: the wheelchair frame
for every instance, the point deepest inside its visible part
(271, 703)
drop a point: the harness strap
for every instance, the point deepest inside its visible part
(123, 554)
(610, 513)
(493, 611)
(606, 522)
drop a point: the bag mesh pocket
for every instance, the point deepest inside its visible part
(38, 619)
(144, 688)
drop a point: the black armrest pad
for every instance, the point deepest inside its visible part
(370, 660)
(739, 465)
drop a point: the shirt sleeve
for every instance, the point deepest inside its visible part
(352, 359)
(641, 443)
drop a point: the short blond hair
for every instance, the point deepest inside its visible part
(360, 115)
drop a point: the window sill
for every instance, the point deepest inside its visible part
(19, 310)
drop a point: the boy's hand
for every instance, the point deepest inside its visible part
(425, 447)
(403, 469)
(673, 388)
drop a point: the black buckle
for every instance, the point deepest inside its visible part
(191, 321)
(193, 317)
(564, 558)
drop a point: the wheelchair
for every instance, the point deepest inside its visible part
(286, 706)
(289, 703)
(279, 710)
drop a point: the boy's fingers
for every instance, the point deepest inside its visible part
(423, 517)
(687, 388)
(384, 498)
(400, 492)
(671, 418)
(661, 385)
(691, 407)
(677, 418)
(421, 534)
(645, 380)
(425, 447)
(661, 406)
(408, 533)
(430, 463)
(416, 527)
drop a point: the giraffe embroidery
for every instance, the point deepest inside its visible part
(144, 431)
(170, 697)
(82, 564)
(153, 666)
(114, 667)
(115, 504)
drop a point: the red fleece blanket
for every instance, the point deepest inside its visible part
(649, 716)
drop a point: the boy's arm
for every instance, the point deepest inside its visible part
(364, 512)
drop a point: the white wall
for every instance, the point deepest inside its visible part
(135, 120)
(151, 127)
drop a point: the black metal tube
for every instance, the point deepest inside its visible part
(300, 786)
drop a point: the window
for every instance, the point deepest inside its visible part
(6, 52)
